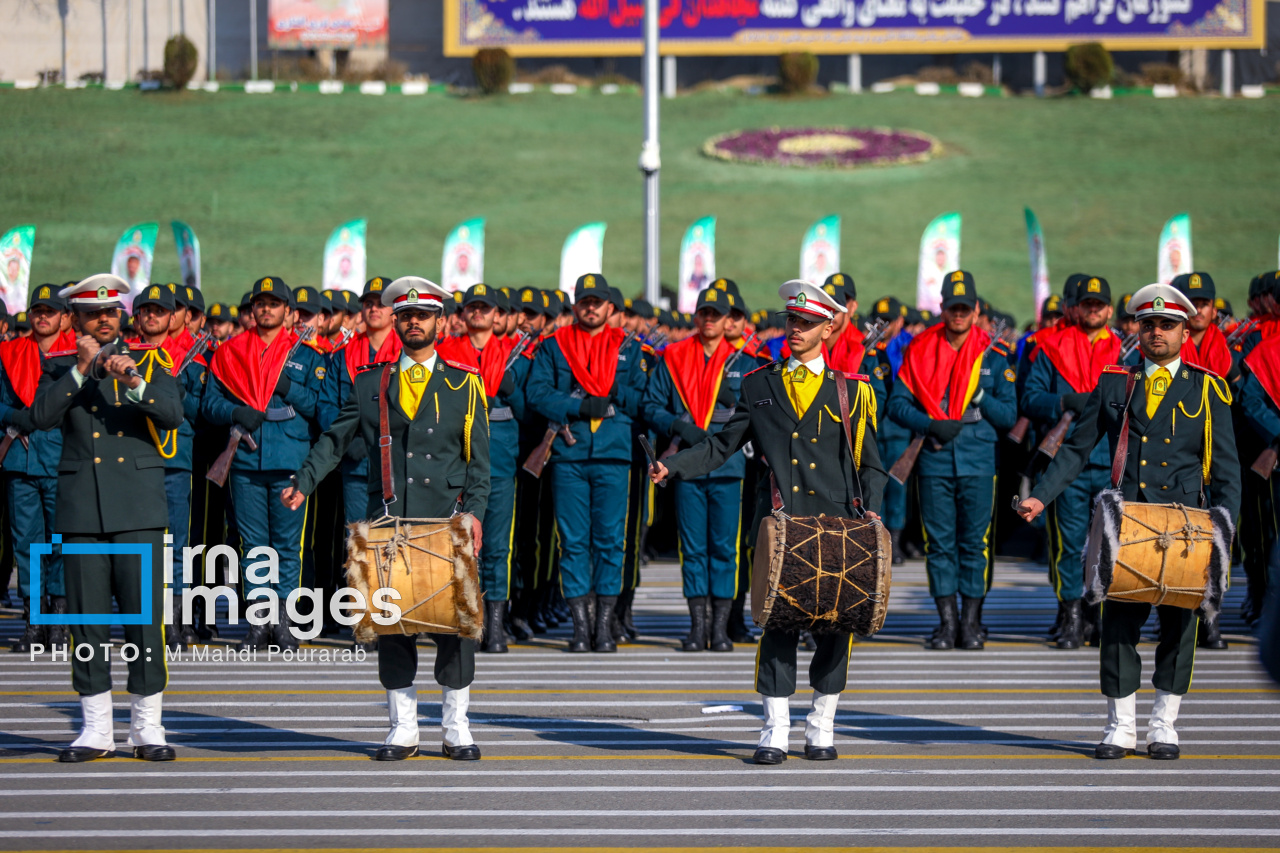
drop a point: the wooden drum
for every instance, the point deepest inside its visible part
(823, 574)
(1157, 553)
(431, 562)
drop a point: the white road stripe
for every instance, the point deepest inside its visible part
(541, 682)
(623, 813)
(636, 728)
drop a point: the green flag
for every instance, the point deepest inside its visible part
(132, 258)
(820, 250)
(463, 262)
(344, 257)
(188, 253)
(697, 262)
(939, 255)
(583, 252)
(1175, 249)
(16, 247)
(1040, 289)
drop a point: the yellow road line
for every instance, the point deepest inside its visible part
(1058, 753)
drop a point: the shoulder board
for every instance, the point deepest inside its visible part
(468, 368)
(1001, 348)
(141, 347)
(857, 377)
(1206, 371)
(758, 369)
(60, 353)
(646, 348)
(1116, 368)
(365, 368)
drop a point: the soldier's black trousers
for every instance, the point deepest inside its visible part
(1121, 668)
(776, 663)
(92, 581)
(398, 661)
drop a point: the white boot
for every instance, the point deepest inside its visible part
(777, 722)
(453, 716)
(97, 730)
(402, 710)
(144, 720)
(819, 726)
(1164, 713)
(1122, 722)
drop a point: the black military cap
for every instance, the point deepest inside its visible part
(481, 293)
(591, 284)
(552, 303)
(195, 299)
(245, 300)
(307, 298)
(1256, 287)
(219, 312)
(617, 299)
(1223, 306)
(642, 307)
(1051, 305)
(845, 283)
(1093, 287)
(527, 299)
(351, 300)
(21, 321)
(720, 301)
(888, 308)
(958, 289)
(728, 285)
(155, 294)
(272, 285)
(1122, 306)
(1271, 283)
(374, 287)
(502, 296)
(1195, 285)
(47, 294)
(1070, 296)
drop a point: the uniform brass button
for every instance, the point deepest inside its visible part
(1142, 485)
(810, 491)
(409, 481)
(120, 459)
(1162, 488)
(1143, 462)
(93, 408)
(151, 401)
(1164, 464)
(813, 441)
(118, 405)
(430, 430)
(795, 461)
(1144, 439)
(795, 435)
(1166, 441)
(813, 465)
(97, 460)
(408, 456)
(428, 456)
(426, 482)
(795, 488)
(97, 435)
(119, 435)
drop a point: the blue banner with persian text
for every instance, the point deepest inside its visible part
(701, 27)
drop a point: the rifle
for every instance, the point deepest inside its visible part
(521, 343)
(901, 469)
(10, 433)
(1127, 346)
(537, 459)
(201, 345)
(221, 466)
(1266, 462)
(674, 447)
(1241, 331)
(876, 330)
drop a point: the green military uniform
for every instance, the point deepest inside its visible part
(1184, 453)
(111, 492)
(440, 466)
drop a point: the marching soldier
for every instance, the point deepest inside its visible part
(270, 389)
(583, 378)
(486, 353)
(110, 493)
(31, 461)
(439, 456)
(222, 320)
(1067, 365)
(781, 411)
(693, 394)
(955, 388)
(892, 436)
(1136, 409)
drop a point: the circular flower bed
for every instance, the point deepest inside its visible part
(824, 147)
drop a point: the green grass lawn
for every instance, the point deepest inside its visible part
(263, 180)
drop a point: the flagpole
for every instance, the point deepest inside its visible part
(649, 159)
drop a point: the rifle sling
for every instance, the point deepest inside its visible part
(1122, 443)
(384, 440)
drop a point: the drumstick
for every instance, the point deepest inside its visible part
(648, 452)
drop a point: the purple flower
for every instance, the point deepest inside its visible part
(823, 147)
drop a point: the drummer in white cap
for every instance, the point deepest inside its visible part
(1179, 448)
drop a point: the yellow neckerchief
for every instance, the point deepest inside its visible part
(413, 382)
(167, 445)
(802, 384)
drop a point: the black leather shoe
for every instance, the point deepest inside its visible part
(1110, 750)
(495, 640)
(581, 640)
(470, 752)
(1209, 637)
(1071, 629)
(76, 754)
(258, 637)
(820, 753)
(1163, 751)
(697, 639)
(944, 636)
(155, 752)
(769, 755)
(391, 752)
(282, 636)
(971, 636)
(604, 624)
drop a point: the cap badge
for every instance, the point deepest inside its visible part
(720, 284)
(302, 295)
(527, 296)
(839, 279)
(266, 284)
(801, 299)
(959, 289)
(44, 293)
(1157, 304)
(154, 294)
(103, 293)
(1094, 286)
(882, 306)
(589, 281)
(711, 295)
(1195, 281)
(480, 290)
(957, 276)
(412, 295)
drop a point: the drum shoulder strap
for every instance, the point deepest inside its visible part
(842, 392)
(384, 440)
(1122, 443)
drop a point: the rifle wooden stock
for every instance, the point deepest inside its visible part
(1019, 432)
(5, 444)
(221, 466)
(537, 459)
(901, 469)
(1265, 463)
(1052, 441)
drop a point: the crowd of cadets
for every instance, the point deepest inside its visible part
(565, 545)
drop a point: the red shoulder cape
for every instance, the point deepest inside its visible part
(930, 368)
(1079, 360)
(593, 360)
(250, 369)
(696, 377)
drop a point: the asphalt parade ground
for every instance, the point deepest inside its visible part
(650, 747)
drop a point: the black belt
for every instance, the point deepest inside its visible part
(283, 414)
(501, 413)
